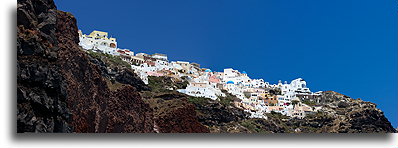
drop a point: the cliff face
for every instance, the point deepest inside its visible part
(172, 111)
(177, 116)
(339, 114)
(41, 88)
(354, 115)
(59, 88)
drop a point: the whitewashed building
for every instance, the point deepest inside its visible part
(98, 41)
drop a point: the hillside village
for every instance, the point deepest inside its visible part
(256, 96)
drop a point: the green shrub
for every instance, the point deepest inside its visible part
(198, 100)
(276, 115)
(226, 101)
(294, 102)
(107, 57)
(247, 94)
(308, 102)
(253, 126)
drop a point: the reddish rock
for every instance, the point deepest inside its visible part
(181, 119)
(127, 112)
(59, 88)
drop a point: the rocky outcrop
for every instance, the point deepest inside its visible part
(354, 115)
(41, 93)
(164, 84)
(127, 112)
(116, 70)
(59, 88)
(220, 116)
(180, 119)
(172, 111)
(339, 114)
(214, 113)
(174, 114)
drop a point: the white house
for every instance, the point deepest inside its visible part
(202, 89)
(159, 56)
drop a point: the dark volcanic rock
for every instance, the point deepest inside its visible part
(342, 104)
(220, 116)
(173, 114)
(263, 126)
(181, 119)
(164, 83)
(127, 112)
(356, 116)
(369, 121)
(342, 114)
(117, 72)
(59, 88)
(214, 113)
(126, 76)
(41, 93)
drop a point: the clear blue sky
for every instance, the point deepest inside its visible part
(349, 46)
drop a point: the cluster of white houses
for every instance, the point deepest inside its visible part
(256, 96)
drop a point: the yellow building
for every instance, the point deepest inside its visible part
(98, 40)
(98, 34)
(101, 35)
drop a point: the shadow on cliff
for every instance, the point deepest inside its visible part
(12, 81)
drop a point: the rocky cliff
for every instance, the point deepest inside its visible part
(339, 114)
(172, 111)
(59, 88)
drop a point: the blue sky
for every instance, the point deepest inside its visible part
(341, 45)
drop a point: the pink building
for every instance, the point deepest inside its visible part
(214, 79)
(156, 74)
